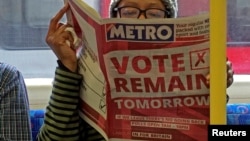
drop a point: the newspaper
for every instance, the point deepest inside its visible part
(143, 79)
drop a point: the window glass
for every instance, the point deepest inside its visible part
(24, 25)
(238, 29)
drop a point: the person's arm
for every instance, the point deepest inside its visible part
(14, 111)
(62, 120)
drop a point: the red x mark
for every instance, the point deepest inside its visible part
(200, 57)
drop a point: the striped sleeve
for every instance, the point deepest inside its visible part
(62, 121)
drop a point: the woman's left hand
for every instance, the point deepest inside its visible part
(230, 74)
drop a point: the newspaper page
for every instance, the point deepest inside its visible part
(144, 79)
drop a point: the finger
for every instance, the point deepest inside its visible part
(229, 65)
(76, 40)
(230, 73)
(208, 79)
(230, 82)
(57, 36)
(65, 38)
(60, 25)
(66, 35)
(69, 43)
(230, 79)
(54, 21)
(61, 29)
(60, 33)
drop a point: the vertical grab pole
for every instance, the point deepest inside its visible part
(218, 61)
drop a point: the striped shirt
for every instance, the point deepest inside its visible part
(14, 106)
(62, 121)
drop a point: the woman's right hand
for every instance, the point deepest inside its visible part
(57, 39)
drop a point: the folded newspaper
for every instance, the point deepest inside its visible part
(143, 79)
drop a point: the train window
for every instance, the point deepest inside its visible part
(24, 26)
(24, 23)
(238, 29)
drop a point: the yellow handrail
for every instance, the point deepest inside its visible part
(217, 61)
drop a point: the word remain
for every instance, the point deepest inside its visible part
(161, 84)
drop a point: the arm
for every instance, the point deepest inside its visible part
(14, 110)
(62, 120)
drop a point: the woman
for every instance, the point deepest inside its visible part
(62, 121)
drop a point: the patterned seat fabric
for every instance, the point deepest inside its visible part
(238, 114)
(37, 117)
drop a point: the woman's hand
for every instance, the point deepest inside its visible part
(230, 74)
(57, 38)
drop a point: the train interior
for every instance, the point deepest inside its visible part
(25, 23)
